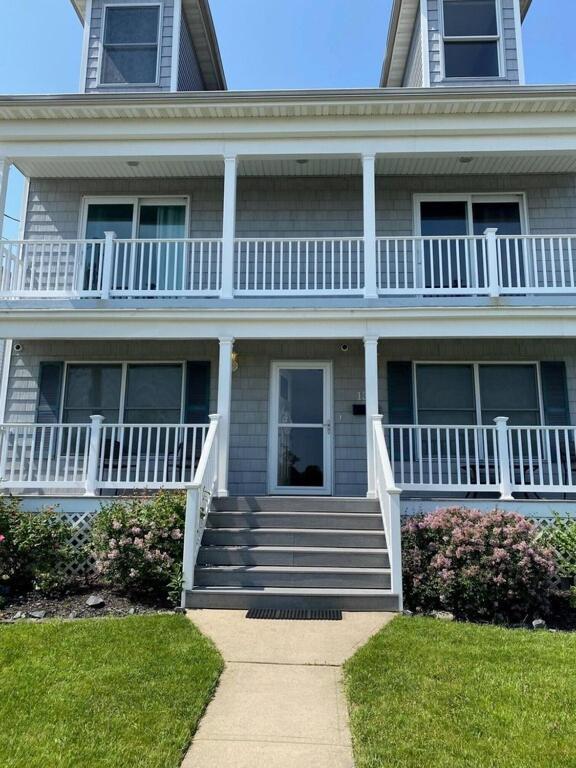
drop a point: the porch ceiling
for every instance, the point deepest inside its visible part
(389, 165)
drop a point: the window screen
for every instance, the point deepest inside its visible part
(153, 394)
(509, 390)
(130, 45)
(92, 390)
(445, 394)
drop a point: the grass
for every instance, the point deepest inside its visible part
(103, 693)
(424, 693)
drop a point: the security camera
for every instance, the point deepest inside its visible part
(344, 348)
(17, 347)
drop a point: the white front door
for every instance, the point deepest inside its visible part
(300, 460)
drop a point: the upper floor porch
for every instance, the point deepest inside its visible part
(381, 201)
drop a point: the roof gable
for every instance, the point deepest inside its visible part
(204, 40)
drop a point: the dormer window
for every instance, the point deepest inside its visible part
(130, 45)
(471, 38)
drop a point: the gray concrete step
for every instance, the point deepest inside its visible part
(295, 504)
(323, 520)
(294, 537)
(292, 577)
(339, 557)
(232, 598)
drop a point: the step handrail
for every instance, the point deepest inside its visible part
(199, 496)
(388, 495)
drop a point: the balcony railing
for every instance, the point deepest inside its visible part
(93, 457)
(483, 265)
(495, 458)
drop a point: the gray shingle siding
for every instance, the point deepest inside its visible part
(189, 75)
(300, 207)
(414, 74)
(510, 73)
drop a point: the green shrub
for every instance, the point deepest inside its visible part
(34, 549)
(487, 566)
(560, 536)
(139, 543)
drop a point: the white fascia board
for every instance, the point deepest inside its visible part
(512, 133)
(469, 322)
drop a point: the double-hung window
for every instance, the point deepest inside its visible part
(471, 38)
(130, 45)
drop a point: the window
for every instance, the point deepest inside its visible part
(91, 390)
(124, 393)
(471, 38)
(476, 393)
(153, 394)
(162, 219)
(460, 216)
(130, 45)
(446, 394)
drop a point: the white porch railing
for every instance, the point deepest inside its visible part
(198, 503)
(389, 498)
(537, 264)
(95, 456)
(268, 267)
(432, 265)
(44, 455)
(483, 458)
(166, 268)
(483, 265)
(48, 269)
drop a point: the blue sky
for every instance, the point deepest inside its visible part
(264, 44)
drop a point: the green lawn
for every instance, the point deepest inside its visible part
(424, 693)
(103, 693)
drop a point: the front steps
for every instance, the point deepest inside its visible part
(293, 552)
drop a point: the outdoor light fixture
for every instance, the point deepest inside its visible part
(235, 363)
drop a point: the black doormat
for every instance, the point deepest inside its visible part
(293, 615)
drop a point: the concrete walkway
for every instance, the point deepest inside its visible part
(279, 703)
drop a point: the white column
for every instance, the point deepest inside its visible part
(371, 387)
(95, 437)
(369, 178)
(5, 166)
(224, 405)
(504, 458)
(229, 227)
(108, 264)
(492, 260)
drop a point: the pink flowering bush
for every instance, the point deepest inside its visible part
(34, 549)
(476, 565)
(139, 543)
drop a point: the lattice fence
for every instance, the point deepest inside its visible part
(81, 523)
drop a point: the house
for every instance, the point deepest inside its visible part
(313, 308)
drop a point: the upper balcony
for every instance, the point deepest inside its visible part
(489, 265)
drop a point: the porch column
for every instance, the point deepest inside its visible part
(371, 386)
(229, 226)
(5, 166)
(369, 186)
(224, 404)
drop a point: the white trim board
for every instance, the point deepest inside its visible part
(160, 30)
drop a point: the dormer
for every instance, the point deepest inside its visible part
(436, 43)
(148, 45)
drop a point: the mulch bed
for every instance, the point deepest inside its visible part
(72, 605)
